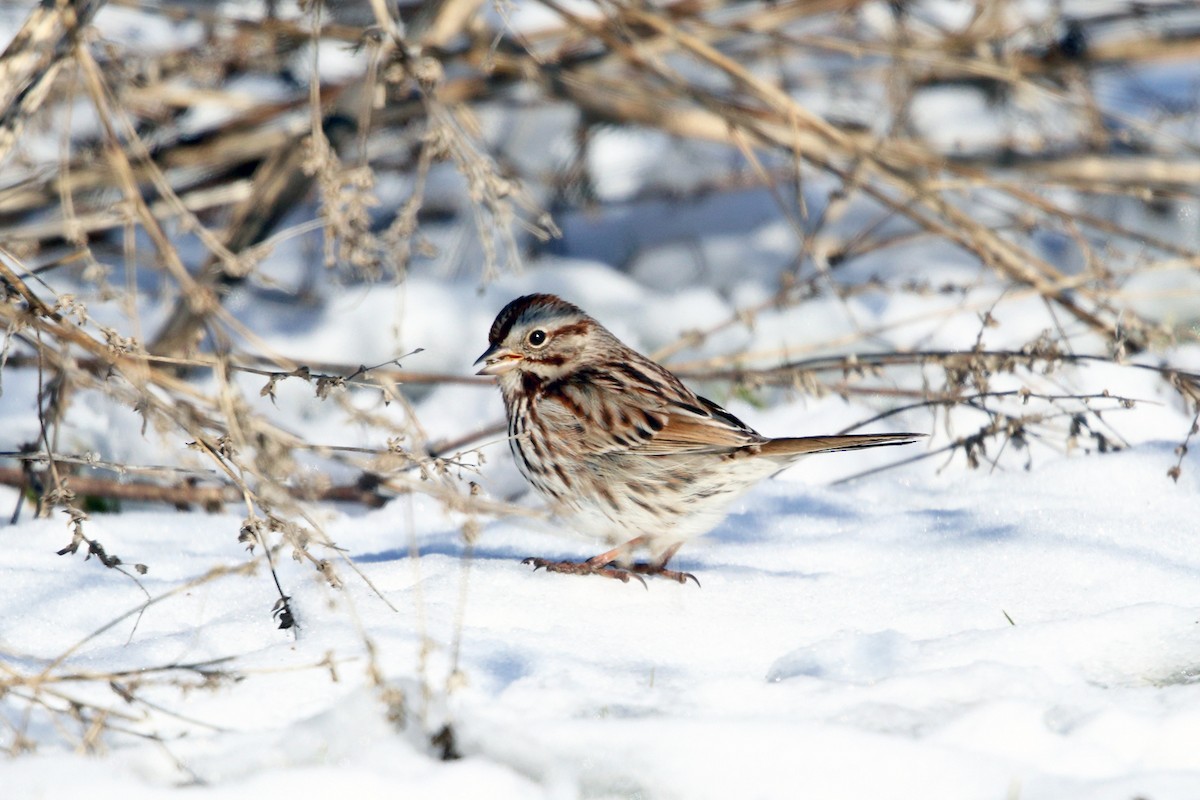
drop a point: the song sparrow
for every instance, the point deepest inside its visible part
(618, 445)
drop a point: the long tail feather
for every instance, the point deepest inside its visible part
(790, 447)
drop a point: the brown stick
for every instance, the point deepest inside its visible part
(32, 60)
(188, 494)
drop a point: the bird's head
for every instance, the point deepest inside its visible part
(540, 336)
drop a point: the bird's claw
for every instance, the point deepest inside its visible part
(610, 570)
(585, 568)
(660, 572)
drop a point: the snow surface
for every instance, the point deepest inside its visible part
(928, 631)
(847, 642)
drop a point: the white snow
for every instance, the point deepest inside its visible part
(848, 641)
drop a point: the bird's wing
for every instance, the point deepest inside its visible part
(698, 425)
(639, 407)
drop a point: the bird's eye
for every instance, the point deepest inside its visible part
(537, 338)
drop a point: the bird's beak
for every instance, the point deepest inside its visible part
(497, 360)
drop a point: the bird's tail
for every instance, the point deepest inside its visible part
(803, 445)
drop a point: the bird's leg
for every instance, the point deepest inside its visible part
(603, 564)
(658, 567)
(609, 564)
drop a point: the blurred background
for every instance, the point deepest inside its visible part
(907, 202)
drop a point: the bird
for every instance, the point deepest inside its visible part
(618, 446)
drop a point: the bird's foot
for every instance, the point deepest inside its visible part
(659, 571)
(608, 570)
